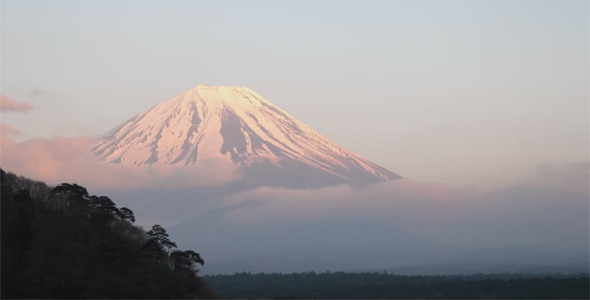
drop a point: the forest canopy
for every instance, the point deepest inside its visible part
(62, 242)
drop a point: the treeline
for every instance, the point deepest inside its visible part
(342, 285)
(64, 243)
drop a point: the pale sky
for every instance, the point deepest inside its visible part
(457, 92)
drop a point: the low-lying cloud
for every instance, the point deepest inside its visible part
(388, 224)
(70, 159)
(513, 215)
(413, 220)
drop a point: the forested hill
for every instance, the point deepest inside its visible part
(61, 242)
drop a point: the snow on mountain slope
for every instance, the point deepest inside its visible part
(239, 126)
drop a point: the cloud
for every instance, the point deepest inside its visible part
(528, 212)
(70, 159)
(394, 223)
(8, 131)
(8, 104)
(371, 221)
(466, 217)
(515, 215)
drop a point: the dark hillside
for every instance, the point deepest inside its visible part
(64, 243)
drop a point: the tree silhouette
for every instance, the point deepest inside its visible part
(184, 261)
(103, 203)
(73, 192)
(159, 237)
(126, 214)
(158, 244)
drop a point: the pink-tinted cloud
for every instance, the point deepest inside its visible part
(8, 104)
(547, 216)
(8, 131)
(65, 159)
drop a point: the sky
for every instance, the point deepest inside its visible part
(479, 93)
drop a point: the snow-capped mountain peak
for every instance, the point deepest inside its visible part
(240, 126)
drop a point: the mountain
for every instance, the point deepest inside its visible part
(237, 126)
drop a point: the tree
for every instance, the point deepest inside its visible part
(103, 211)
(103, 203)
(73, 192)
(126, 214)
(159, 236)
(184, 261)
(158, 244)
(22, 195)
